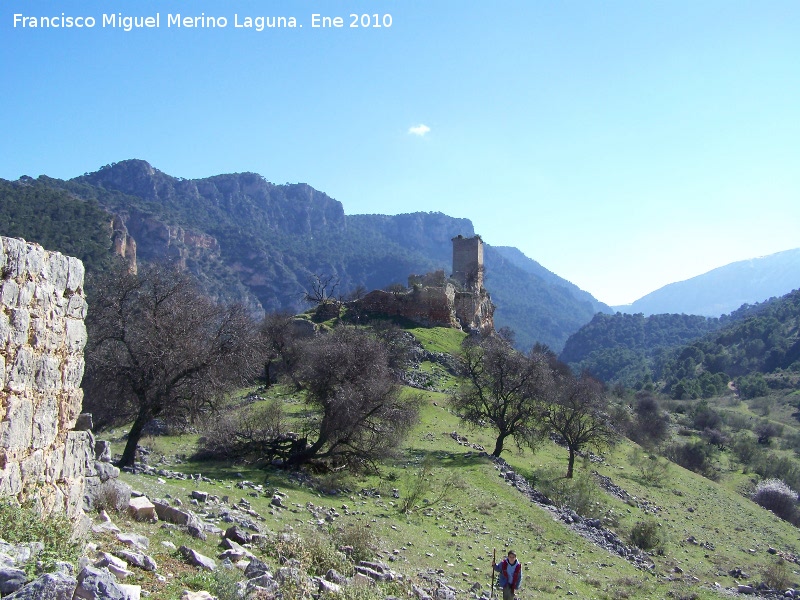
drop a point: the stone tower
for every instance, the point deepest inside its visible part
(468, 262)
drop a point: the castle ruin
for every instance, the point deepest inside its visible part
(468, 262)
(434, 300)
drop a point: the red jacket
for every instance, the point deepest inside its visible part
(509, 574)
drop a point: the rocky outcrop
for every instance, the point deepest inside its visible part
(42, 335)
(158, 241)
(124, 245)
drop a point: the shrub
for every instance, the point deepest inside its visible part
(245, 432)
(777, 575)
(322, 554)
(766, 430)
(222, 583)
(706, 417)
(110, 497)
(359, 537)
(580, 493)
(647, 535)
(715, 437)
(651, 469)
(23, 523)
(420, 487)
(776, 496)
(696, 456)
(651, 426)
(775, 466)
(745, 448)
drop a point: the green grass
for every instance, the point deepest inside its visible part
(705, 528)
(483, 514)
(439, 339)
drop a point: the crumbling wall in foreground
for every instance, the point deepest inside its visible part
(42, 336)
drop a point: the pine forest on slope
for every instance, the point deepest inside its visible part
(689, 356)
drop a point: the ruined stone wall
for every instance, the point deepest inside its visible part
(42, 336)
(435, 279)
(428, 306)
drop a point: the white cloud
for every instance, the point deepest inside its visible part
(419, 130)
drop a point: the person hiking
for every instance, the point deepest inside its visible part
(510, 575)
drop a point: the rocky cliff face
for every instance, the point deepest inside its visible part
(42, 335)
(296, 209)
(159, 241)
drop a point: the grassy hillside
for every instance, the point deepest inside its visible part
(710, 536)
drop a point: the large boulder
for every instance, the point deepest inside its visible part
(52, 586)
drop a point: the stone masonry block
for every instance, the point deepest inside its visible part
(57, 271)
(26, 291)
(9, 293)
(69, 405)
(54, 463)
(43, 338)
(20, 377)
(10, 480)
(77, 454)
(5, 328)
(45, 422)
(32, 468)
(75, 335)
(44, 295)
(15, 253)
(48, 374)
(72, 371)
(34, 260)
(20, 326)
(77, 307)
(16, 429)
(75, 275)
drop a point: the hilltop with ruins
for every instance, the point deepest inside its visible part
(435, 300)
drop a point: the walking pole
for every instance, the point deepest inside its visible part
(494, 560)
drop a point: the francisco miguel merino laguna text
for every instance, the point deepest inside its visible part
(179, 21)
(173, 20)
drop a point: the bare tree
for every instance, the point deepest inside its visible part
(356, 293)
(360, 415)
(502, 387)
(578, 413)
(158, 347)
(321, 289)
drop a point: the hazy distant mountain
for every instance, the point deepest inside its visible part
(250, 240)
(724, 289)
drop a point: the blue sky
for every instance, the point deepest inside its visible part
(623, 145)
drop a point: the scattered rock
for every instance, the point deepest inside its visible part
(52, 586)
(97, 584)
(11, 579)
(134, 540)
(142, 509)
(198, 560)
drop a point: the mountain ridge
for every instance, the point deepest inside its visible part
(724, 289)
(250, 240)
